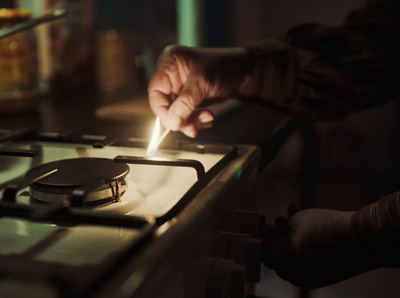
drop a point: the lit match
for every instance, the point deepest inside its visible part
(156, 140)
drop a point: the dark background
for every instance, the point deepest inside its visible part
(356, 160)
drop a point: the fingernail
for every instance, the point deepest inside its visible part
(189, 132)
(206, 118)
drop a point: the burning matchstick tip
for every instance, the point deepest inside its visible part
(155, 141)
(165, 133)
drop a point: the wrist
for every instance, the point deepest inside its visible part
(346, 226)
(377, 229)
(273, 72)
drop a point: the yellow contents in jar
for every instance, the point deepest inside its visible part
(18, 71)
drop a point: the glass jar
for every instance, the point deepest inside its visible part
(72, 47)
(19, 79)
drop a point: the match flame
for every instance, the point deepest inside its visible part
(153, 144)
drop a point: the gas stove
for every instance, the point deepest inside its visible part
(93, 216)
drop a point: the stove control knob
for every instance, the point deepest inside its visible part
(241, 248)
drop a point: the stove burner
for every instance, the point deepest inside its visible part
(106, 177)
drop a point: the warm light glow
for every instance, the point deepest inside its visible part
(153, 144)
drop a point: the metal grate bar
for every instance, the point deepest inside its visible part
(106, 142)
(18, 152)
(10, 191)
(158, 161)
(17, 134)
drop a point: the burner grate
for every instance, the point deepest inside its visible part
(158, 161)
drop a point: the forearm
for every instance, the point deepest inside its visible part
(329, 72)
(306, 84)
(274, 76)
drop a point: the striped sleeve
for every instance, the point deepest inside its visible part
(329, 72)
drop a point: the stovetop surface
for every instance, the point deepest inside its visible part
(151, 189)
(87, 250)
(73, 246)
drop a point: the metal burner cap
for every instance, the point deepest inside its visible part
(75, 173)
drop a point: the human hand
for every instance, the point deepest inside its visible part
(187, 76)
(314, 248)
